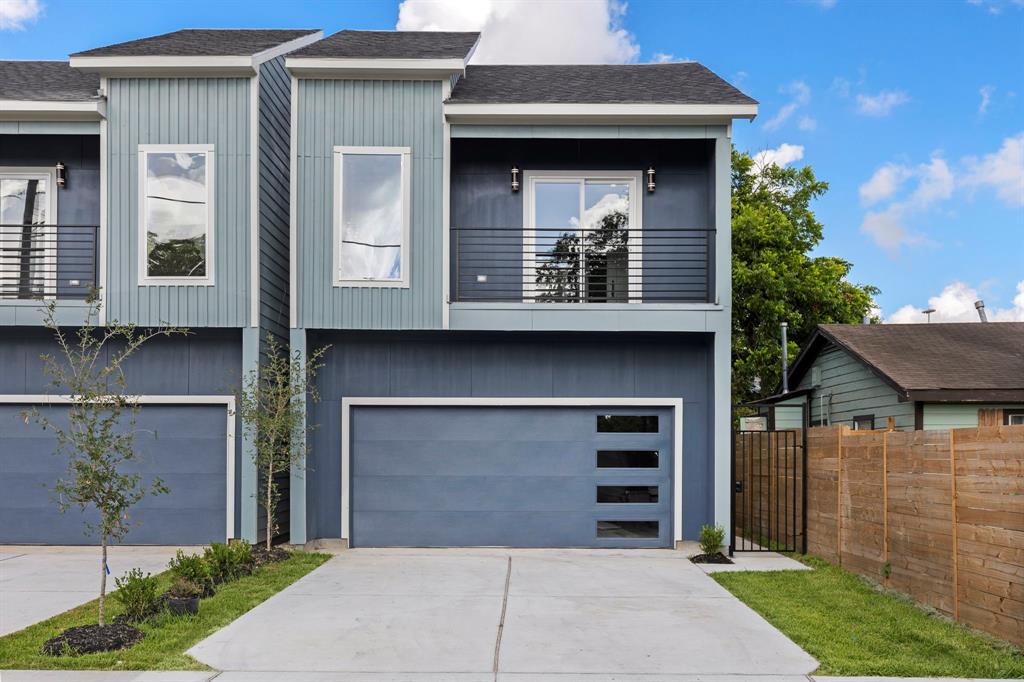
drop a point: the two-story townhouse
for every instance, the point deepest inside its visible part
(155, 172)
(523, 275)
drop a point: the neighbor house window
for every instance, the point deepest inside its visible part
(176, 214)
(28, 233)
(371, 216)
(864, 422)
(1013, 417)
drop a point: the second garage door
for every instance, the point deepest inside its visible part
(446, 476)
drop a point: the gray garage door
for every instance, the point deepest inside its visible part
(182, 444)
(519, 477)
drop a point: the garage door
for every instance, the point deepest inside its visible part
(185, 445)
(511, 476)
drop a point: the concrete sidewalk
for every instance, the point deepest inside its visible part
(37, 583)
(278, 676)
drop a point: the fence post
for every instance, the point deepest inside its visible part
(839, 497)
(804, 476)
(885, 498)
(956, 549)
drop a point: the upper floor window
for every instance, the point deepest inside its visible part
(176, 214)
(28, 243)
(371, 216)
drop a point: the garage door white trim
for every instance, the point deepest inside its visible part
(677, 436)
(226, 400)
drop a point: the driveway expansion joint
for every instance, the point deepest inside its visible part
(501, 621)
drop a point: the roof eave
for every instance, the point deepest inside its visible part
(155, 67)
(966, 395)
(347, 67)
(33, 110)
(582, 112)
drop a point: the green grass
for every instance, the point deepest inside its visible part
(853, 628)
(167, 637)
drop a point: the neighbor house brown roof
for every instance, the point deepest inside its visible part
(940, 361)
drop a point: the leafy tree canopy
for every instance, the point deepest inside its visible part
(775, 277)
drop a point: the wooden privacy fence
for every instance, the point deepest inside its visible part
(936, 515)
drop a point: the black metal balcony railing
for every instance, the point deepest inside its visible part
(48, 261)
(589, 265)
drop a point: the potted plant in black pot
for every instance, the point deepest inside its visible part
(183, 597)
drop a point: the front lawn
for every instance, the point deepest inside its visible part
(854, 629)
(167, 637)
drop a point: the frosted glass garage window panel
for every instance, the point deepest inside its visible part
(177, 215)
(373, 216)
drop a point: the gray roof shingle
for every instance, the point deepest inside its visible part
(40, 81)
(678, 83)
(392, 45)
(201, 42)
(939, 356)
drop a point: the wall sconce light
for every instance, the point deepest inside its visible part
(62, 174)
(515, 178)
(650, 179)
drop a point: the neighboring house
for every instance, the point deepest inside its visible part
(523, 275)
(924, 376)
(157, 172)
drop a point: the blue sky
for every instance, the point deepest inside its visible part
(913, 112)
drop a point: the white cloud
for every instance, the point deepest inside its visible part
(936, 183)
(801, 93)
(881, 104)
(956, 304)
(14, 14)
(986, 92)
(526, 32)
(808, 124)
(885, 182)
(1002, 170)
(841, 86)
(887, 230)
(782, 156)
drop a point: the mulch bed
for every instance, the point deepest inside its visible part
(716, 558)
(261, 555)
(89, 639)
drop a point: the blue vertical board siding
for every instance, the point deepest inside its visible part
(274, 153)
(179, 111)
(535, 365)
(368, 113)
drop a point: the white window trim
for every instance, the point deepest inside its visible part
(140, 232)
(50, 173)
(633, 178)
(226, 400)
(677, 438)
(406, 156)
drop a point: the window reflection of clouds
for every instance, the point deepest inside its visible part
(175, 195)
(14, 194)
(371, 217)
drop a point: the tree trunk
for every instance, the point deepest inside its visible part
(270, 510)
(103, 579)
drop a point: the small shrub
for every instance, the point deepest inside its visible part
(711, 539)
(242, 554)
(183, 588)
(227, 562)
(137, 594)
(190, 567)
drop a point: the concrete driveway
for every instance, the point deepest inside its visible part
(39, 582)
(506, 612)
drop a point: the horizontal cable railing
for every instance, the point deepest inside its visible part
(48, 261)
(582, 265)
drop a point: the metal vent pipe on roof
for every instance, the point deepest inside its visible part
(980, 305)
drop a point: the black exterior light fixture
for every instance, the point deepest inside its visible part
(62, 174)
(515, 178)
(650, 178)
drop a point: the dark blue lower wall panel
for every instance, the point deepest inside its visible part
(183, 445)
(472, 364)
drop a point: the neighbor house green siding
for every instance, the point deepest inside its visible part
(178, 111)
(959, 415)
(367, 113)
(848, 389)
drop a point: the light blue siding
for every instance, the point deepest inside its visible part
(959, 415)
(178, 111)
(368, 113)
(849, 389)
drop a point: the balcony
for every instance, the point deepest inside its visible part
(48, 262)
(608, 264)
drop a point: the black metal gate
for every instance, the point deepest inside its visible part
(769, 458)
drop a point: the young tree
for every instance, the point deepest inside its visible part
(775, 279)
(273, 416)
(89, 368)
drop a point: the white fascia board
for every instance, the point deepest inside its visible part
(335, 67)
(587, 112)
(285, 48)
(123, 67)
(31, 110)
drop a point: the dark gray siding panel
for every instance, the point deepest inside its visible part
(481, 198)
(183, 445)
(498, 476)
(464, 364)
